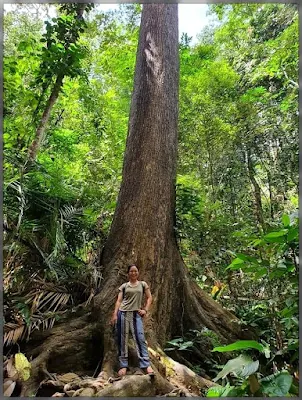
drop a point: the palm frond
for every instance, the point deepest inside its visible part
(54, 299)
(13, 333)
(59, 247)
(59, 300)
(69, 213)
(45, 320)
(49, 262)
(97, 278)
(16, 185)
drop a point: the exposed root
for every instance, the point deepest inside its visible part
(179, 375)
(171, 379)
(177, 392)
(70, 342)
(127, 386)
(130, 386)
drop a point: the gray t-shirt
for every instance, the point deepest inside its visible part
(133, 297)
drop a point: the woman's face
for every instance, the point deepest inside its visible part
(133, 272)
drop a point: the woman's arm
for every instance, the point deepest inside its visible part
(144, 311)
(149, 300)
(116, 308)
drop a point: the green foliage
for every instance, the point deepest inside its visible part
(62, 53)
(244, 368)
(223, 391)
(243, 344)
(228, 111)
(59, 213)
(179, 344)
(276, 385)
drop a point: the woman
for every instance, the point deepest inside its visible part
(127, 315)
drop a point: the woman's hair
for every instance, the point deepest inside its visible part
(131, 265)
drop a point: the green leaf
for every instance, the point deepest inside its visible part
(240, 345)
(236, 366)
(237, 261)
(276, 386)
(293, 234)
(220, 391)
(257, 242)
(215, 391)
(275, 234)
(185, 345)
(236, 264)
(247, 258)
(285, 220)
(276, 237)
(260, 272)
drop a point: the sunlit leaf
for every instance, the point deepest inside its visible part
(240, 345)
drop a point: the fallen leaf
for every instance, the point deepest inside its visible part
(8, 387)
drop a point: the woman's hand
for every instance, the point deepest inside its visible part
(142, 312)
(113, 320)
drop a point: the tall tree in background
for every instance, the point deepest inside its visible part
(59, 59)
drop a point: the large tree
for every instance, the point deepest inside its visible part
(143, 232)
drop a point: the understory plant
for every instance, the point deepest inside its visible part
(242, 376)
(270, 267)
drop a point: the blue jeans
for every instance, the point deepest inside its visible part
(131, 321)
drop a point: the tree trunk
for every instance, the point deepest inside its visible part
(142, 232)
(270, 188)
(36, 143)
(257, 191)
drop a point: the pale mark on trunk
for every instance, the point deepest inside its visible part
(153, 58)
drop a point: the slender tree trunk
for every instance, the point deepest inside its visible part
(270, 188)
(210, 161)
(232, 195)
(39, 136)
(257, 191)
